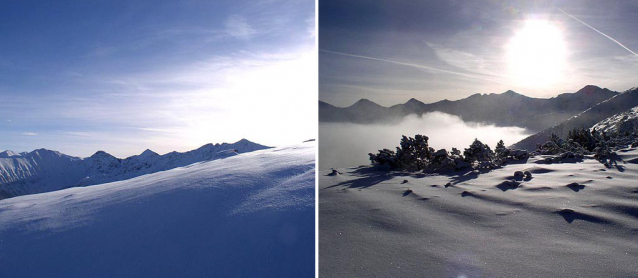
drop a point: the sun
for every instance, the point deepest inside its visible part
(536, 55)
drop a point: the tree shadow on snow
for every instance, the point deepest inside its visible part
(367, 176)
(576, 186)
(612, 161)
(463, 175)
(370, 176)
(570, 215)
(407, 192)
(508, 185)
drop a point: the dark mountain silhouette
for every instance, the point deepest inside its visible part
(588, 118)
(505, 109)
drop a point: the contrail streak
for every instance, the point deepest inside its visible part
(411, 65)
(599, 32)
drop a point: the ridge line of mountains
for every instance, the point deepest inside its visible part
(45, 170)
(540, 116)
(505, 109)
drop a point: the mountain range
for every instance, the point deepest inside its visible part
(505, 109)
(45, 170)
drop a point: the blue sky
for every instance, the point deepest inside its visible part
(123, 76)
(391, 51)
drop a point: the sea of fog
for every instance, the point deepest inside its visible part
(348, 144)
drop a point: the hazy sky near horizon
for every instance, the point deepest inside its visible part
(391, 51)
(124, 76)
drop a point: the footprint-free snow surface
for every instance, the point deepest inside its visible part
(567, 220)
(249, 215)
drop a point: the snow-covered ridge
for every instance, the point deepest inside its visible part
(250, 215)
(45, 170)
(9, 153)
(621, 123)
(586, 119)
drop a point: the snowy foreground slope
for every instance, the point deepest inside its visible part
(250, 215)
(568, 220)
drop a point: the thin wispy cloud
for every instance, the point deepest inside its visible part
(413, 65)
(163, 130)
(237, 26)
(468, 61)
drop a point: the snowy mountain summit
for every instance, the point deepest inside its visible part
(45, 170)
(8, 153)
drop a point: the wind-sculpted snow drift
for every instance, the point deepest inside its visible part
(563, 220)
(45, 170)
(250, 215)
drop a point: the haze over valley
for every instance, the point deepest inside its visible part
(348, 144)
(348, 134)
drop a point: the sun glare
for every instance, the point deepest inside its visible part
(536, 55)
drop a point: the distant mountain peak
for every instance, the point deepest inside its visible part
(8, 154)
(244, 141)
(413, 101)
(512, 93)
(588, 89)
(364, 102)
(42, 151)
(475, 95)
(148, 153)
(242, 144)
(102, 154)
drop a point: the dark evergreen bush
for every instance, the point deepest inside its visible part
(480, 155)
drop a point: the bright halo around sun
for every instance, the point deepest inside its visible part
(536, 55)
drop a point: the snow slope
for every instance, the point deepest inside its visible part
(9, 153)
(45, 170)
(568, 220)
(605, 109)
(250, 215)
(621, 123)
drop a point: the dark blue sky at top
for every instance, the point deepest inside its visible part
(44, 40)
(418, 31)
(101, 74)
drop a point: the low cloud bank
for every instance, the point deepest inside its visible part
(348, 144)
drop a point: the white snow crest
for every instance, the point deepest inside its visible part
(278, 178)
